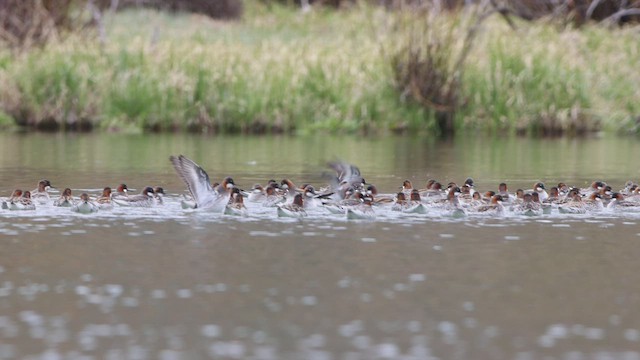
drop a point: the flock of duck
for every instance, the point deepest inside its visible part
(347, 194)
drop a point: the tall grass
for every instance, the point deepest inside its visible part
(281, 71)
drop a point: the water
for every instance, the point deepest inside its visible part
(172, 284)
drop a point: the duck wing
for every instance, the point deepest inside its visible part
(197, 181)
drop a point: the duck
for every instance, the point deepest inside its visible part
(594, 202)
(629, 187)
(362, 211)
(257, 194)
(15, 195)
(401, 202)
(65, 199)
(197, 181)
(433, 191)
(415, 203)
(563, 189)
(378, 199)
(294, 209)
(311, 200)
(528, 206)
(353, 198)
(620, 202)
(541, 190)
(145, 199)
(236, 206)
(288, 188)
(85, 205)
(104, 201)
(573, 204)
(158, 194)
(503, 191)
(546, 208)
(347, 176)
(24, 202)
(451, 205)
(596, 186)
(121, 190)
(494, 207)
(406, 187)
(272, 198)
(41, 193)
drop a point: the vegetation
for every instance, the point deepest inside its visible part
(336, 71)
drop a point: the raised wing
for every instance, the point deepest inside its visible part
(196, 179)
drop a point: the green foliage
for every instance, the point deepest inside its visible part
(282, 71)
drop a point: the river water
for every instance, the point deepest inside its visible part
(182, 284)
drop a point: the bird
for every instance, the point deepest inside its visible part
(347, 177)
(494, 207)
(41, 193)
(294, 209)
(145, 199)
(65, 199)
(104, 201)
(197, 180)
(15, 195)
(85, 205)
(236, 204)
(23, 203)
(363, 211)
(158, 194)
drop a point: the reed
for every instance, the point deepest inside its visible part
(282, 71)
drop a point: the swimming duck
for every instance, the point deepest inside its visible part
(541, 190)
(121, 190)
(620, 202)
(294, 209)
(145, 199)
(451, 205)
(433, 191)
(504, 192)
(15, 195)
(41, 193)
(158, 194)
(23, 203)
(272, 198)
(199, 185)
(311, 200)
(85, 205)
(257, 194)
(236, 206)
(363, 211)
(573, 205)
(411, 205)
(406, 187)
(104, 201)
(65, 199)
(347, 177)
(528, 206)
(494, 207)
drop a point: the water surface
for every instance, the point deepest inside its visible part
(169, 283)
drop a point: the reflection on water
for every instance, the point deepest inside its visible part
(172, 284)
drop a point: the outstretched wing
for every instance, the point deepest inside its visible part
(196, 179)
(346, 173)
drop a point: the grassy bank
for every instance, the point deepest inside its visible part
(279, 70)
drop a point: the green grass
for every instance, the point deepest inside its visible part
(279, 70)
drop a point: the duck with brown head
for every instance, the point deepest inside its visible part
(65, 200)
(41, 193)
(24, 202)
(294, 209)
(145, 199)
